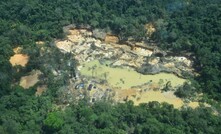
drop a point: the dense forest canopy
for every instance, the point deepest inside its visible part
(182, 26)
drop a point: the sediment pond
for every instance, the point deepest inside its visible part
(126, 78)
(125, 83)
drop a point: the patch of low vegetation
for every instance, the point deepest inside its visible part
(185, 91)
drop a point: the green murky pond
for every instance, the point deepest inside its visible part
(126, 78)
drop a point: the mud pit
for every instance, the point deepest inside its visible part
(124, 82)
(126, 78)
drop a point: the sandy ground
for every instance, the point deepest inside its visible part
(111, 39)
(19, 59)
(147, 96)
(124, 94)
(40, 43)
(40, 90)
(74, 32)
(30, 80)
(66, 45)
(75, 35)
(169, 65)
(193, 104)
(154, 61)
(17, 50)
(143, 52)
(151, 95)
(150, 29)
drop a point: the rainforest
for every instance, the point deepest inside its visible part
(110, 67)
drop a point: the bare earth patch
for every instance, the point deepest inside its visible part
(193, 104)
(65, 46)
(111, 39)
(154, 61)
(169, 65)
(40, 42)
(150, 29)
(17, 50)
(74, 32)
(19, 59)
(151, 95)
(75, 35)
(30, 80)
(142, 51)
(124, 94)
(40, 90)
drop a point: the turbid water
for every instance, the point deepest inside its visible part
(126, 78)
(159, 96)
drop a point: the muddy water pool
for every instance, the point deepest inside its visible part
(126, 78)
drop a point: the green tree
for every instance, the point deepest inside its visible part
(53, 121)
